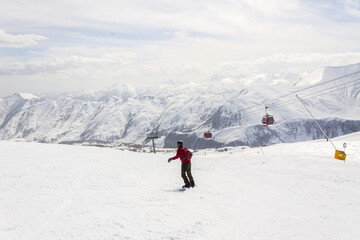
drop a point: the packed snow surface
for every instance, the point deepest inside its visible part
(284, 191)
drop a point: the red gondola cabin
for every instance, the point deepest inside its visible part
(207, 135)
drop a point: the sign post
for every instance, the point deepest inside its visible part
(152, 136)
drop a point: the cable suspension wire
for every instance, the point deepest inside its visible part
(308, 96)
(320, 94)
(286, 95)
(290, 102)
(294, 101)
(300, 90)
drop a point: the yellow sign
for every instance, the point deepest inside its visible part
(341, 155)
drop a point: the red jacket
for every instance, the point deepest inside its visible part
(182, 155)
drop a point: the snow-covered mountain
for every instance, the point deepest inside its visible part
(231, 108)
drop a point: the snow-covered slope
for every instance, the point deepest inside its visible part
(231, 108)
(290, 191)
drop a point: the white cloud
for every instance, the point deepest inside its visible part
(155, 40)
(283, 63)
(19, 41)
(55, 64)
(274, 7)
(299, 58)
(352, 7)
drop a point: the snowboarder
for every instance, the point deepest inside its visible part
(185, 157)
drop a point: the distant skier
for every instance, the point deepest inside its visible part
(185, 157)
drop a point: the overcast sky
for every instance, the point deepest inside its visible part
(69, 45)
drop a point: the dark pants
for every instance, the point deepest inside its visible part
(186, 170)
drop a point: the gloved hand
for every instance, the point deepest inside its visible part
(170, 159)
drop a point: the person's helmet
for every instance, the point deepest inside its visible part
(180, 143)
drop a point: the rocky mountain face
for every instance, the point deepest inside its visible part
(231, 108)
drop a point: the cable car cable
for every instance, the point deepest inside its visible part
(297, 91)
(309, 96)
(271, 100)
(294, 101)
(275, 99)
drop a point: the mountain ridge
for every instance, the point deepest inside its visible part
(231, 108)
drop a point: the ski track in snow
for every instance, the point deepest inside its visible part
(294, 191)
